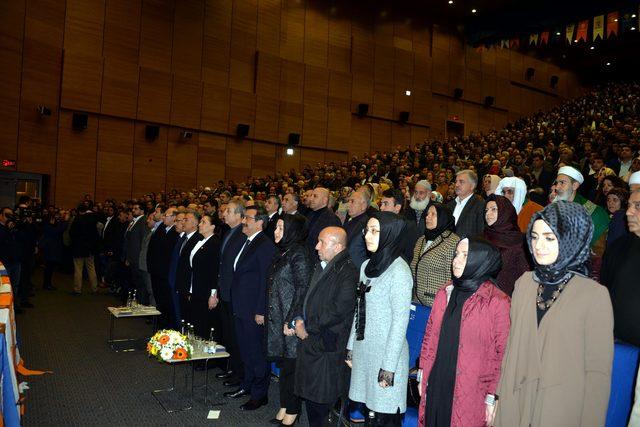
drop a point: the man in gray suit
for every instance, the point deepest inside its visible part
(467, 207)
(133, 238)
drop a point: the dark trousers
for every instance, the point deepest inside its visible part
(139, 285)
(160, 287)
(250, 338)
(287, 382)
(49, 268)
(317, 412)
(228, 329)
(201, 316)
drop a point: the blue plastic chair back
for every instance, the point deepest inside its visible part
(623, 376)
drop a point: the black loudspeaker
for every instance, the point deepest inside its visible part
(242, 130)
(404, 116)
(529, 73)
(457, 93)
(294, 139)
(553, 82)
(79, 121)
(186, 134)
(151, 132)
(488, 101)
(363, 109)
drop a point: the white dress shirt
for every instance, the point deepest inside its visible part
(460, 204)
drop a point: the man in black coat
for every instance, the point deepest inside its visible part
(392, 201)
(249, 300)
(272, 205)
(158, 262)
(84, 246)
(232, 242)
(133, 237)
(357, 209)
(323, 324)
(467, 207)
(320, 216)
(183, 268)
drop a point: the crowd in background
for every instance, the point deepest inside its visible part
(391, 226)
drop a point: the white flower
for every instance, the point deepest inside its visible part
(166, 353)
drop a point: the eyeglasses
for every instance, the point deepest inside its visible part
(250, 217)
(373, 231)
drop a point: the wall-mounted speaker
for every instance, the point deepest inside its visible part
(529, 73)
(457, 93)
(186, 134)
(151, 132)
(294, 139)
(488, 101)
(363, 109)
(553, 82)
(242, 130)
(80, 121)
(403, 116)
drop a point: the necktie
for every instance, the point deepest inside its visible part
(182, 241)
(131, 225)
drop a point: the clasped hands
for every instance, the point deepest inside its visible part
(298, 331)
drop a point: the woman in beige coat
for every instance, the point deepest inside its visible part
(556, 370)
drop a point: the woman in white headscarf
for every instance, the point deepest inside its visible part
(489, 184)
(515, 190)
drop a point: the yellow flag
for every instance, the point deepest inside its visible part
(598, 27)
(569, 33)
(533, 39)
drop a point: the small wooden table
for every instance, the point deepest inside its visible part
(125, 312)
(195, 357)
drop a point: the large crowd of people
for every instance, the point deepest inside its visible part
(505, 235)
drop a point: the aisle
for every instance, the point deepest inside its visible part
(91, 384)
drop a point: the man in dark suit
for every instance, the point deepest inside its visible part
(232, 242)
(272, 205)
(174, 314)
(320, 216)
(323, 327)
(158, 260)
(393, 201)
(467, 207)
(357, 209)
(249, 299)
(183, 268)
(133, 238)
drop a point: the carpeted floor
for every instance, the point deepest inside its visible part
(93, 385)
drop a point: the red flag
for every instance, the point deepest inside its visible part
(515, 42)
(544, 37)
(583, 29)
(612, 24)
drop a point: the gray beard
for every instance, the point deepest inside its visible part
(560, 197)
(417, 205)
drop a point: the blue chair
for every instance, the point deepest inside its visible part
(275, 371)
(415, 332)
(623, 374)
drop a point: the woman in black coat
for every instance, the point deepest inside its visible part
(287, 285)
(204, 278)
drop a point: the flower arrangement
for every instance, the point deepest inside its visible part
(168, 345)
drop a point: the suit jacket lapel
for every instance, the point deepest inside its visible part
(472, 201)
(248, 248)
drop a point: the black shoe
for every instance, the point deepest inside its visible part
(49, 288)
(236, 393)
(225, 375)
(231, 383)
(275, 421)
(252, 405)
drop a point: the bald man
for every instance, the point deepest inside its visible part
(320, 216)
(323, 324)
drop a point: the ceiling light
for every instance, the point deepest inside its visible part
(592, 47)
(289, 151)
(633, 16)
(407, 92)
(575, 41)
(633, 28)
(615, 20)
(474, 10)
(558, 33)
(450, 1)
(608, 63)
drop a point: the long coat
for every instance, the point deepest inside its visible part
(557, 374)
(287, 283)
(432, 268)
(471, 221)
(321, 374)
(384, 346)
(484, 329)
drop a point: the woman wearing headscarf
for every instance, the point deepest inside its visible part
(464, 341)
(378, 352)
(503, 232)
(287, 285)
(515, 189)
(557, 365)
(433, 253)
(489, 184)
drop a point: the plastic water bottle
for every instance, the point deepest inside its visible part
(182, 326)
(129, 300)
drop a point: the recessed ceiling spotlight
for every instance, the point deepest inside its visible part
(633, 28)
(615, 20)
(608, 64)
(407, 92)
(592, 47)
(558, 33)
(474, 10)
(450, 1)
(633, 16)
(575, 41)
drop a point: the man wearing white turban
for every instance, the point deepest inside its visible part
(515, 189)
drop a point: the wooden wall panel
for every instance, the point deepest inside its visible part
(120, 88)
(82, 82)
(76, 160)
(114, 168)
(122, 30)
(360, 136)
(188, 21)
(268, 37)
(290, 120)
(238, 159)
(380, 135)
(311, 157)
(217, 41)
(215, 108)
(335, 157)
(314, 126)
(292, 81)
(440, 71)
(338, 128)
(292, 30)
(269, 75)
(242, 109)
(182, 160)
(156, 34)
(316, 85)
(154, 96)
(400, 135)
(340, 85)
(149, 161)
(211, 158)
(186, 102)
(284, 162)
(267, 118)
(418, 135)
(339, 49)
(84, 27)
(263, 159)
(316, 33)
(244, 26)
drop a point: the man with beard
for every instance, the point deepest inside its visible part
(567, 183)
(418, 205)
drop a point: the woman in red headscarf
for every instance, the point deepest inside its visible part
(503, 232)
